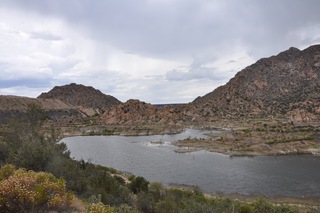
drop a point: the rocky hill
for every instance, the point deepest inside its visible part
(80, 95)
(138, 113)
(286, 84)
(135, 111)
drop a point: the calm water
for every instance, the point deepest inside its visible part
(294, 176)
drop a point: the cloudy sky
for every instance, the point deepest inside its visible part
(158, 51)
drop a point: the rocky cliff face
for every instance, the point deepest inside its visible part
(80, 95)
(285, 84)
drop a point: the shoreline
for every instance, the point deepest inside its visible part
(257, 139)
(305, 201)
(190, 149)
(234, 142)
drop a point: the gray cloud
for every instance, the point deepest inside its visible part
(171, 28)
(194, 73)
(190, 33)
(45, 36)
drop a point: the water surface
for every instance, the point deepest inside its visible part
(293, 176)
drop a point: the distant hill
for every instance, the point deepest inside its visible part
(17, 103)
(285, 84)
(80, 95)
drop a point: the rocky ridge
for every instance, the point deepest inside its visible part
(286, 84)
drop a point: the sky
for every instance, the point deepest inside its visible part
(157, 51)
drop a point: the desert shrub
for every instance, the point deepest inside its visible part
(31, 191)
(124, 208)
(245, 209)
(99, 208)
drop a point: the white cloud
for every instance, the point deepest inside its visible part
(23, 56)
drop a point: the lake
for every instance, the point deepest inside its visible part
(289, 176)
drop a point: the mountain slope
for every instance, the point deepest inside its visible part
(285, 84)
(80, 95)
(17, 103)
(16, 106)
